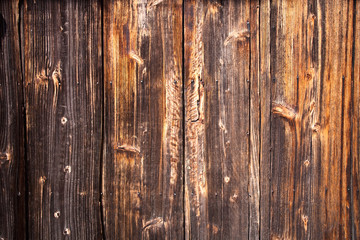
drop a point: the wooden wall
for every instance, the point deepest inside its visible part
(184, 119)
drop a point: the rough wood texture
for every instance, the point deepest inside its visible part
(161, 119)
(143, 162)
(265, 126)
(312, 97)
(63, 77)
(217, 121)
(355, 130)
(12, 162)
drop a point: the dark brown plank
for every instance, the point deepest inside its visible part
(217, 122)
(63, 77)
(311, 62)
(143, 163)
(12, 162)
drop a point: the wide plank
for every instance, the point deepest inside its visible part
(217, 120)
(142, 171)
(63, 97)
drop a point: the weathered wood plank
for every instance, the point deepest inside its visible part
(265, 122)
(217, 122)
(355, 131)
(255, 122)
(63, 77)
(143, 163)
(12, 162)
(311, 62)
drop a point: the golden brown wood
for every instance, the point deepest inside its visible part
(142, 160)
(311, 67)
(158, 119)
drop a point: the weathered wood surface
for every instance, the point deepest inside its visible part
(63, 96)
(217, 122)
(12, 163)
(299, 169)
(142, 161)
(313, 100)
(157, 119)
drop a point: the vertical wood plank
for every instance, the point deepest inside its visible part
(12, 162)
(355, 131)
(217, 121)
(311, 62)
(143, 163)
(255, 122)
(265, 123)
(63, 77)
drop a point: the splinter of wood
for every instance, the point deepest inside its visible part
(153, 223)
(285, 112)
(136, 57)
(237, 36)
(127, 148)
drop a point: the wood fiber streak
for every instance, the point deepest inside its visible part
(265, 123)
(142, 161)
(355, 125)
(179, 119)
(255, 122)
(313, 165)
(63, 97)
(12, 162)
(217, 120)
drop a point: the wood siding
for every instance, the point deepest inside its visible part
(184, 119)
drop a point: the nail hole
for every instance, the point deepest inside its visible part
(67, 169)
(63, 120)
(66, 231)
(57, 214)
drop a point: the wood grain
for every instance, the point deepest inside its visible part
(355, 126)
(142, 161)
(312, 94)
(265, 123)
(159, 119)
(217, 121)
(12, 161)
(63, 89)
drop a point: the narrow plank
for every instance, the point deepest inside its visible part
(331, 183)
(265, 120)
(12, 161)
(143, 164)
(217, 121)
(311, 60)
(63, 96)
(355, 166)
(255, 122)
(292, 102)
